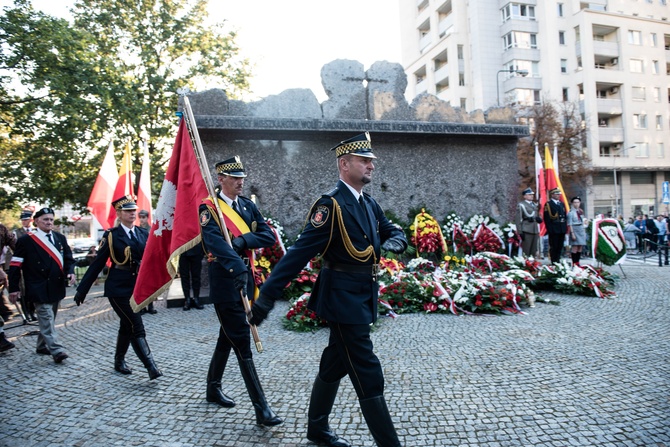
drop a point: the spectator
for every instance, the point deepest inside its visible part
(662, 227)
(630, 232)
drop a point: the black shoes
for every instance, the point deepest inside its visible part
(5, 345)
(58, 358)
(42, 351)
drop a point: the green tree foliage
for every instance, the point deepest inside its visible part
(560, 125)
(68, 88)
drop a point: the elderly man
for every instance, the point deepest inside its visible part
(348, 229)
(45, 259)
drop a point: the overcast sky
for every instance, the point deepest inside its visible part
(288, 41)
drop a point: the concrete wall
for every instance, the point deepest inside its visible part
(429, 154)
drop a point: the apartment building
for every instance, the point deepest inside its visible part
(612, 57)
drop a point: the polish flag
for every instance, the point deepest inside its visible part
(103, 189)
(144, 190)
(124, 186)
(540, 187)
(176, 227)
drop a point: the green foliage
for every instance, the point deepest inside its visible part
(68, 89)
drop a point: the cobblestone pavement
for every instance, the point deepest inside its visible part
(588, 372)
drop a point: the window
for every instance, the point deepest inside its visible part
(518, 39)
(560, 9)
(642, 177)
(642, 152)
(640, 121)
(518, 11)
(635, 65)
(463, 103)
(654, 67)
(459, 49)
(564, 65)
(634, 37)
(639, 93)
(533, 68)
(653, 39)
(660, 150)
(561, 37)
(657, 94)
(659, 122)
(565, 95)
(461, 79)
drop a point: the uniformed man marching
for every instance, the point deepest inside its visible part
(124, 246)
(230, 271)
(348, 229)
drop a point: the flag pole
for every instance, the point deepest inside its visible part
(207, 177)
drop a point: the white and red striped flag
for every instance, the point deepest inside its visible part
(176, 227)
(103, 189)
(124, 186)
(144, 189)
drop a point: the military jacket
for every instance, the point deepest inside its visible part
(555, 217)
(525, 218)
(125, 257)
(348, 236)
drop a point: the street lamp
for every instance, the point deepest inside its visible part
(523, 73)
(616, 188)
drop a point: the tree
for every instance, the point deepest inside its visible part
(560, 125)
(111, 74)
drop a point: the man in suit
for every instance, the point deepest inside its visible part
(555, 220)
(348, 229)
(123, 246)
(527, 219)
(46, 261)
(231, 272)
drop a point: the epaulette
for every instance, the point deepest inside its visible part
(330, 193)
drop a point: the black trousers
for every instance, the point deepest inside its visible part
(234, 330)
(190, 269)
(131, 322)
(556, 241)
(349, 352)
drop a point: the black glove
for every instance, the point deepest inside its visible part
(79, 298)
(538, 219)
(394, 245)
(239, 245)
(260, 310)
(240, 282)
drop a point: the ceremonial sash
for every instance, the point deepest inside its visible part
(49, 248)
(236, 226)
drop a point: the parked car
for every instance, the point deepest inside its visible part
(82, 245)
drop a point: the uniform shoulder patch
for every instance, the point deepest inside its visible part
(319, 216)
(205, 217)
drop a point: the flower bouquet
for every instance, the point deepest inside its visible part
(427, 236)
(301, 319)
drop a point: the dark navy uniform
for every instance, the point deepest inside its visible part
(555, 220)
(349, 235)
(230, 271)
(125, 254)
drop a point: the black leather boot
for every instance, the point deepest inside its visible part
(264, 415)
(187, 300)
(214, 376)
(379, 421)
(141, 348)
(122, 344)
(196, 300)
(320, 404)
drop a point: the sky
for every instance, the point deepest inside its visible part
(289, 41)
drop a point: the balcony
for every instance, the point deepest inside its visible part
(607, 50)
(609, 106)
(444, 27)
(610, 135)
(442, 73)
(424, 42)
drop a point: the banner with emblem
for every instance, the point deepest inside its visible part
(608, 242)
(176, 227)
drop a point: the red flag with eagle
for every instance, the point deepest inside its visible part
(176, 227)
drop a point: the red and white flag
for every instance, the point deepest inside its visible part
(103, 189)
(176, 227)
(124, 186)
(540, 187)
(144, 190)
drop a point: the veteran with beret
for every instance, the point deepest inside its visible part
(123, 246)
(231, 272)
(44, 259)
(348, 229)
